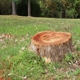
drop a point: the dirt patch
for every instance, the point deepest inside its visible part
(6, 36)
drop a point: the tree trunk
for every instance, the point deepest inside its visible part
(29, 8)
(13, 8)
(52, 45)
(63, 13)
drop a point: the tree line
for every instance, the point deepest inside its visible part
(43, 8)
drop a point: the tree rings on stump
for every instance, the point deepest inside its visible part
(52, 45)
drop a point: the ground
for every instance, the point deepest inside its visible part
(18, 63)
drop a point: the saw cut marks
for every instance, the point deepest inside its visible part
(49, 37)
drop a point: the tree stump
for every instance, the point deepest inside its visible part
(52, 45)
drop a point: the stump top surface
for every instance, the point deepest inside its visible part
(50, 37)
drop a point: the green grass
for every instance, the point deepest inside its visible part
(17, 62)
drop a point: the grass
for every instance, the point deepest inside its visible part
(18, 63)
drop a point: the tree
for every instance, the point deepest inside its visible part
(5, 7)
(13, 8)
(77, 7)
(59, 8)
(48, 8)
(29, 8)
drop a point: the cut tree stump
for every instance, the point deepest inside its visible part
(52, 45)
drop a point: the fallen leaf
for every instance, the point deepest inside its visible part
(47, 60)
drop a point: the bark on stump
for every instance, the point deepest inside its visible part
(52, 45)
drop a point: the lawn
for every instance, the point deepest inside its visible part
(18, 63)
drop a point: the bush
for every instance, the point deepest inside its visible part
(71, 13)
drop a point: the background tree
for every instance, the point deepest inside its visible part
(70, 11)
(77, 7)
(22, 8)
(50, 8)
(45, 8)
(13, 7)
(5, 7)
(29, 7)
